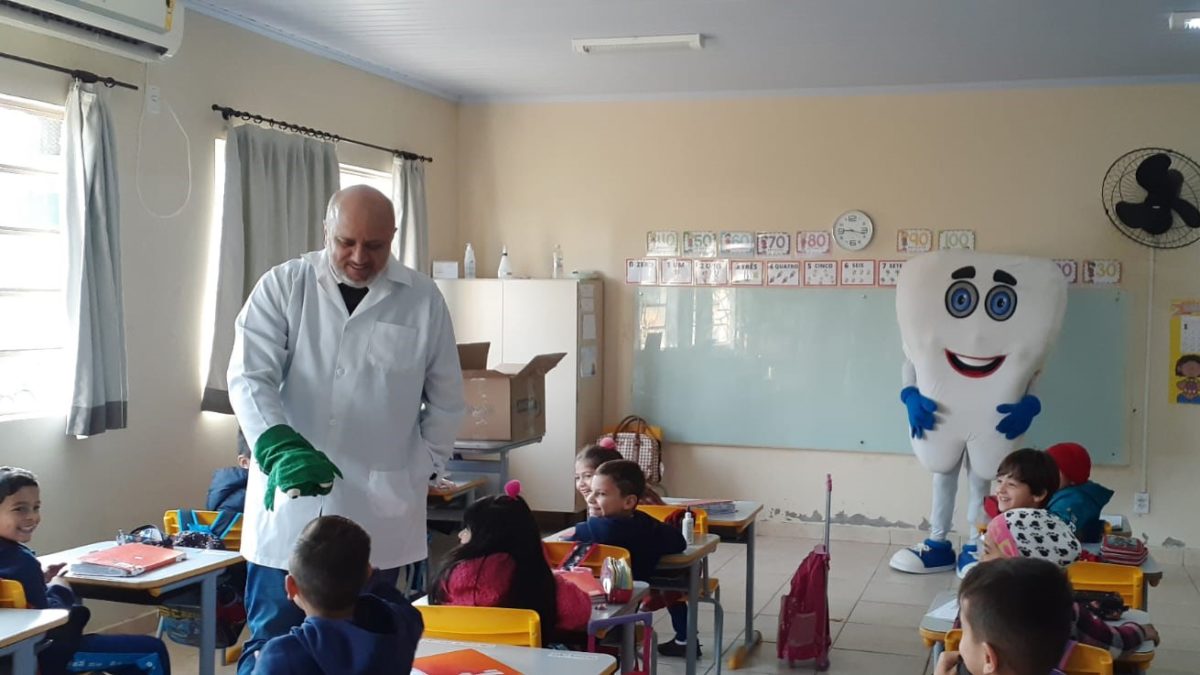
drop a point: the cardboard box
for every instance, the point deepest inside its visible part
(505, 403)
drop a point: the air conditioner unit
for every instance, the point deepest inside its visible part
(143, 30)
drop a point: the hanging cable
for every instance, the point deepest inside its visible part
(187, 145)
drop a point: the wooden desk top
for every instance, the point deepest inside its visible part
(198, 563)
(702, 547)
(449, 493)
(21, 624)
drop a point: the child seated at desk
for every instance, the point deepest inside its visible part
(352, 628)
(1039, 534)
(613, 519)
(1078, 500)
(591, 457)
(1016, 619)
(1026, 479)
(69, 649)
(227, 491)
(500, 562)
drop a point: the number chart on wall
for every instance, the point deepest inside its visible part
(745, 366)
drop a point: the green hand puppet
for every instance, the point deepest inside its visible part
(292, 465)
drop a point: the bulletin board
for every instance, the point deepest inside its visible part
(820, 368)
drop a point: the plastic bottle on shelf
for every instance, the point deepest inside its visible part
(469, 262)
(557, 269)
(505, 269)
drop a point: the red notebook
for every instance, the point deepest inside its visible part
(461, 662)
(587, 583)
(126, 560)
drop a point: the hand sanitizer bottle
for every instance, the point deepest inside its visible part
(505, 270)
(689, 527)
(469, 262)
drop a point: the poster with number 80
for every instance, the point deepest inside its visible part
(813, 243)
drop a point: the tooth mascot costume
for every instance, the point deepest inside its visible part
(976, 329)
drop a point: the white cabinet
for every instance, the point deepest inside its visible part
(522, 318)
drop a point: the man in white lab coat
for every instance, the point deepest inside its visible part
(345, 379)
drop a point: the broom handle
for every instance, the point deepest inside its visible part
(828, 505)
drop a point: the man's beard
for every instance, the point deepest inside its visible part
(337, 273)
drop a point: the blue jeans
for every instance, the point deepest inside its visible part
(269, 612)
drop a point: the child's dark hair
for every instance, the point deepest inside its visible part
(1034, 468)
(243, 446)
(1023, 608)
(330, 562)
(595, 455)
(503, 524)
(1186, 358)
(627, 476)
(13, 479)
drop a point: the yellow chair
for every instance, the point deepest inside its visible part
(491, 625)
(557, 550)
(232, 539)
(12, 595)
(1083, 660)
(1123, 579)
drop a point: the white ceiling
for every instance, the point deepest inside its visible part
(520, 49)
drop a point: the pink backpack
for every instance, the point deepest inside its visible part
(804, 611)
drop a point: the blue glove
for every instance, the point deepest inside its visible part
(920, 411)
(1018, 416)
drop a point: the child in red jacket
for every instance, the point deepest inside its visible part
(500, 562)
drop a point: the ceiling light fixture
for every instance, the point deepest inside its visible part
(1185, 21)
(594, 45)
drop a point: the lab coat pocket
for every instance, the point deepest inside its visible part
(391, 493)
(393, 346)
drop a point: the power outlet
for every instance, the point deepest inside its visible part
(153, 99)
(1141, 503)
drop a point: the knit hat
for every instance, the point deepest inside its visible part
(1033, 533)
(1073, 461)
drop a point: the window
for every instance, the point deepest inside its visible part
(33, 260)
(356, 175)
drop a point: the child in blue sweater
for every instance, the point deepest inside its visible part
(227, 491)
(352, 627)
(69, 650)
(614, 520)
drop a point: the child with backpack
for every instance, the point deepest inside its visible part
(500, 562)
(69, 650)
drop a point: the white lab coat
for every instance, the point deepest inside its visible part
(353, 386)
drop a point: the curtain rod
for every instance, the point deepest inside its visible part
(81, 75)
(227, 113)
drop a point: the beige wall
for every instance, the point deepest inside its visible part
(122, 479)
(1021, 167)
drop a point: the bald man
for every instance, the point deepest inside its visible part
(345, 379)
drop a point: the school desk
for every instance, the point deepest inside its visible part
(528, 659)
(692, 559)
(739, 527)
(21, 630)
(200, 567)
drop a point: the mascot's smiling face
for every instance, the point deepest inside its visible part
(979, 316)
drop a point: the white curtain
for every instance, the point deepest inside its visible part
(412, 221)
(277, 186)
(95, 311)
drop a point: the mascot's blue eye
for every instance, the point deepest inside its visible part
(1001, 302)
(961, 299)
